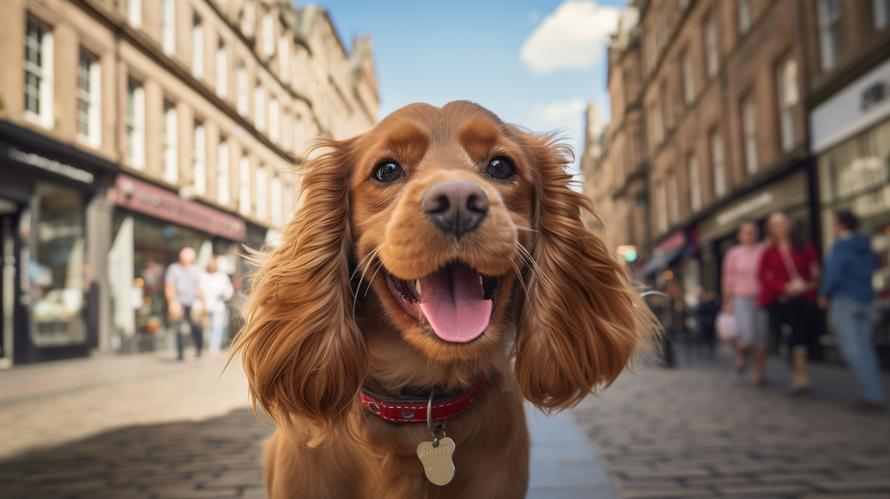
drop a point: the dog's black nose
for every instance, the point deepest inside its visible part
(455, 206)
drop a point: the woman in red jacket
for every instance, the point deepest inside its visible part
(789, 277)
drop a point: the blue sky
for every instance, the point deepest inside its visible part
(436, 52)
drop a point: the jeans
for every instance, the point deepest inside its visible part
(217, 329)
(197, 332)
(853, 326)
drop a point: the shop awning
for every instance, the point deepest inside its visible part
(659, 262)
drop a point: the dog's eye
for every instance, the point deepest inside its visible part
(500, 168)
(388, 171)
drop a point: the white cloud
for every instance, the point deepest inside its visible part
(571, 37)
(563, 114)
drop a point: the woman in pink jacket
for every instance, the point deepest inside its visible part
(740, 292)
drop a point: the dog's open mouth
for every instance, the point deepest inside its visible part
(456, 300)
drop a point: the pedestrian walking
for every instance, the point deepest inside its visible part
(741, 289)
(706, 316)
(847, 291)
(216, 288)
(788, 273)
(184, 301)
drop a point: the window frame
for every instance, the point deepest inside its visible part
(42, 71)
(750, 149)
(168, 26)
(170, 142)
(718, 162)
(91, 97)
(199, 157)
(197, 48)
(223, 172)
(135, 123)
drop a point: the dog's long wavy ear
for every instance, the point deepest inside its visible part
(301, 349)
(581, 321)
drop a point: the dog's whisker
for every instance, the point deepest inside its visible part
(519, 277)
(373, 276)
(367, 263)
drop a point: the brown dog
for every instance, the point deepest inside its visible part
(437, 260)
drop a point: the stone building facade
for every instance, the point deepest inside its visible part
(132, 127)
(744, 107)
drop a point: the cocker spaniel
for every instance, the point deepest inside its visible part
(436, 273)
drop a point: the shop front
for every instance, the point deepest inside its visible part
(150, 226)
(851, 137)
(717, 232)
(52, 212)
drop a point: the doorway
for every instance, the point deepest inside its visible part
(9, 215)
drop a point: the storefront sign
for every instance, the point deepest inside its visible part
(142, 197)
(745, 208)
(860, 105)
(782, 194)
(51, 165)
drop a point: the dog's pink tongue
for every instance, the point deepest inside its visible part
(454, 304)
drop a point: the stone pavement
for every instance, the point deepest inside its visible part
(701, 431)
(144, 427)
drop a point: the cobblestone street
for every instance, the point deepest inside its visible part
(701, 431)
(144, 427)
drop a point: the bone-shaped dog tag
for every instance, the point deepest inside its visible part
(437, 461)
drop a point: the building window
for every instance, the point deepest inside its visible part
(168, 26)
(39, 72)
(289, 195)
(712, 48)
(829, 32)
(268, 34)
(243, 96)
(662, 209)
(786, 81)
(749, 133)
(881, 11)
(667, 108)
(248, 18)
(135, 123)
(673, 198)
(89, 98)
(688, 78)
(261, 200)
(284, 58)
(199, 159)
(274, 124)
(197, 47)
(57, 266)
(276, 202)
(222, 172)
(718, 164)
(657, 127)
(170, 136)
(244, 185)
(134, 13)
(287, 124)
(744, 13)
(259, 107)
(222, 69)
(694, 183)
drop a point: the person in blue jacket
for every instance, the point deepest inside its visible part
(847, 290)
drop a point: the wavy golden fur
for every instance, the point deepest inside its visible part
(322, 322)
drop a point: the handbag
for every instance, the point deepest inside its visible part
(797, 284)
(727, 326)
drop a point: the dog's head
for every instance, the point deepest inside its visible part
(468, 233)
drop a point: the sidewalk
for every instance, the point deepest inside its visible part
(701, 431)
(143, 427)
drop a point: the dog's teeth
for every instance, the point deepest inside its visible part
(481, 281)
(417, 287)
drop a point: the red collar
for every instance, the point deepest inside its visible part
(413, 409)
